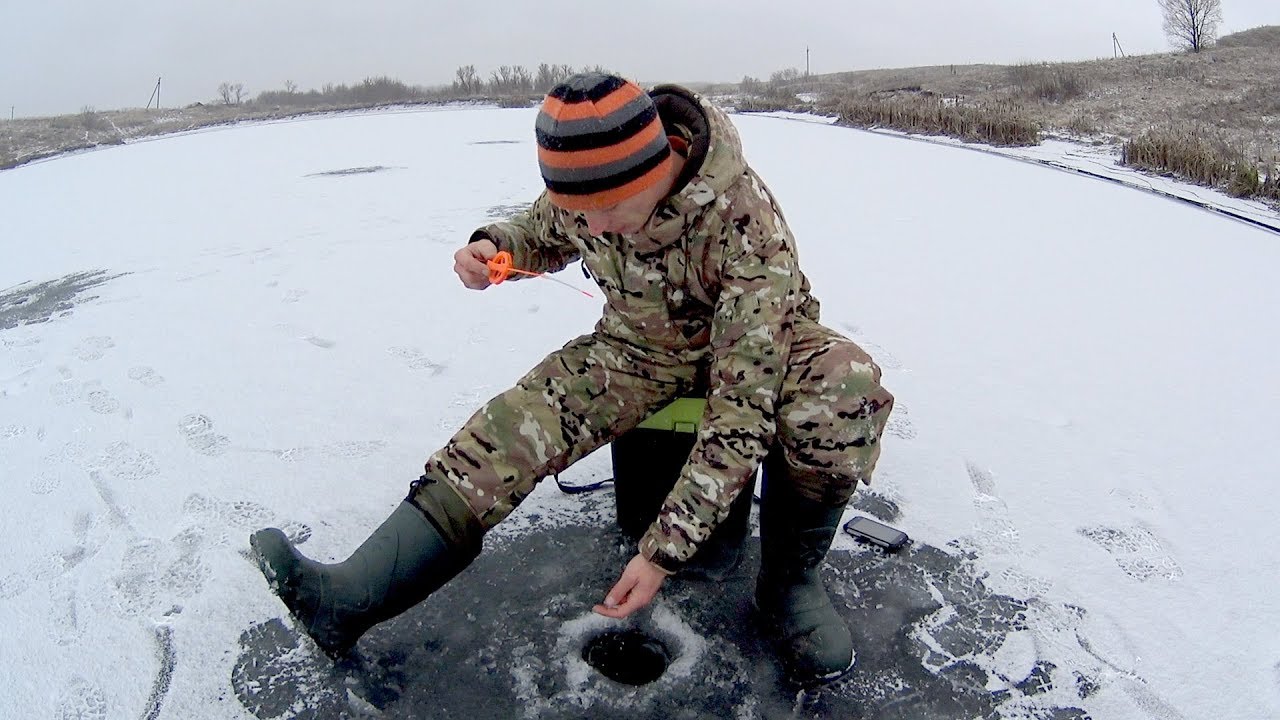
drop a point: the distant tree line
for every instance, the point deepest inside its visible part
(508, 84)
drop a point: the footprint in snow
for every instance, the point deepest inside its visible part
(416, 360)
(900, 425)
(1136, 550)
(350, 450)
(242, 515)
(98, 398)
(145, 376)
(123, 462)
(81, 699)
(94, 348)
(995, 532)
(197, 429)
(155, 575)
(64, 616)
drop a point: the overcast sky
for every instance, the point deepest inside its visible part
(57, 56)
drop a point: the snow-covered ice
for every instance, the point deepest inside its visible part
(219, 331)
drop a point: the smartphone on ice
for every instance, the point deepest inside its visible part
(876, 533)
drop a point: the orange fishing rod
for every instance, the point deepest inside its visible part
(500, 268)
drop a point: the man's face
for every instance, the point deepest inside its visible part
(625, 218)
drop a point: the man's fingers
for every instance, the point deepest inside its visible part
(629, 595)
(619, 593)
(471, 269)
(617, 598)
(483, 249)
(635, 600)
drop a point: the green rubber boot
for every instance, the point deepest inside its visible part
(812, 640)
(403, 561)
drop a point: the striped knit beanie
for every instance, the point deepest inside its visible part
(600, 141)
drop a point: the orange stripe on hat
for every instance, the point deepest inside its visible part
(610, 103)
(601, 156)
(609, 198)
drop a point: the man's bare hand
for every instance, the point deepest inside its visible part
(638, 586)
(470, 263)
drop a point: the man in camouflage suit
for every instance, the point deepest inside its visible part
(703, 292)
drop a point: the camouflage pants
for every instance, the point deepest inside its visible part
(831, 414)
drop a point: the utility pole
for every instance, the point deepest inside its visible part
(155, 95)
(806, 61)
(1116, 50)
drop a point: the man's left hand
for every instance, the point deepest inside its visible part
(638, 585)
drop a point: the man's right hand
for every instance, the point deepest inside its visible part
(471, 263)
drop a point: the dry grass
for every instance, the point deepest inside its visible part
(1000, 123)
(1186, 154)
(1231, 90)
(1052, 83)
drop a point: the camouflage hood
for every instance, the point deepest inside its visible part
(715, 163)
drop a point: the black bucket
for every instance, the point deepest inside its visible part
(646, 464)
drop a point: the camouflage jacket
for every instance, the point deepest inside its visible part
(713, 279)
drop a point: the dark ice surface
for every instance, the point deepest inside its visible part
(506, 638)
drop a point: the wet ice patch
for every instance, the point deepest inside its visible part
(876, 504)
(39, 302)
(284, 677)
(347, 172)
(928, 632)
(502, 212)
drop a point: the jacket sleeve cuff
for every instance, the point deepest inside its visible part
(665, 562)
(482, 234)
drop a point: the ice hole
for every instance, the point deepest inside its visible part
(627, 656)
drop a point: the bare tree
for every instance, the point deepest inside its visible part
(468, 81)
(551, 75)
(231, 93)
(290, 87)
(510, 80)
(1191, 24)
